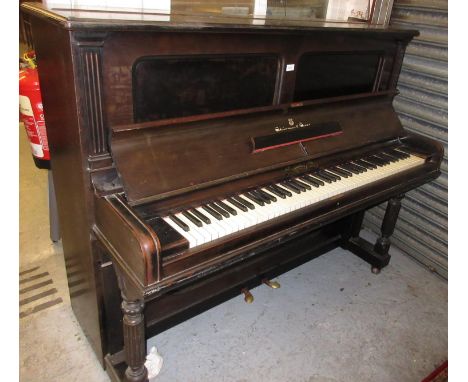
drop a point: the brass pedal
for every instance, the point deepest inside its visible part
(248, 297)
(271, 284)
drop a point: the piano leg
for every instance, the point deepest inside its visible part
(376, 255)
(134, 340)
(388, 225)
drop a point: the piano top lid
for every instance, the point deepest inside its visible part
(177, 15)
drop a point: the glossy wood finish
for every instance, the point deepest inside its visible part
(114, 178)
(176, 156)
(70, 174)
(179, 19)
(134, 338)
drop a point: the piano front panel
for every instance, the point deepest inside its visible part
(120, 53)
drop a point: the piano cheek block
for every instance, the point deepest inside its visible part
(133, 243)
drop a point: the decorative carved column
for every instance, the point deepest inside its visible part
(134, 340)
(88, 49)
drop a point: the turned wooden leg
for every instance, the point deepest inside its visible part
(134, 340)
(382, 244)
(375, 254)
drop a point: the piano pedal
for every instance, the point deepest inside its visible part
(271, 284)
(248, 297)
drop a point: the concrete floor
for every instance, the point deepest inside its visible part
(331, 320)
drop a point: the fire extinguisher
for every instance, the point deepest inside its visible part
(32, 113)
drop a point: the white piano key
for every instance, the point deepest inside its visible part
(203, 231)
(197, 235)
(192, 241)
(220, 230)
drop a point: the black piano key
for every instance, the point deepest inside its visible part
(372, 159)
(382, 158)
(192, 218)
(350, 168)
(267, 195)
(395, 153)
(200, 216)
(304, 180)
(239, 205)
(324, 175)
(321, 177)
(343, 173)
(388, 153)
(276, 192)
(387, 157)
(359, 166)
(399, 153)
(297, 184)
(330, 174)
(290, 187)
(405, 151)
(254, 198)
(303, 184)
(229, 209)
(365, 164)
(244, 202)
(179, 222)
(359, 169)
(212, 212)
(313, 181)
(263, 198)
(283, 190)
(219, 210)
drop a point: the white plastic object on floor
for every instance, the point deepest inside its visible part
(153, 364)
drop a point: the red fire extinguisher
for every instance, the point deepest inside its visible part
(32, 113)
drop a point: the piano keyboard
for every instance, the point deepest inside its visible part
(225, 216)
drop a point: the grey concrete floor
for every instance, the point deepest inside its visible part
(331, 320)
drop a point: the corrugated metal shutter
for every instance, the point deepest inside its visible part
(422, 107)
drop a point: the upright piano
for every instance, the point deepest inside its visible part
(195, 158)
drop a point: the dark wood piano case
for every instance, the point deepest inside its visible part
(123, 155)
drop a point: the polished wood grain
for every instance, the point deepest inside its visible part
(115, 178)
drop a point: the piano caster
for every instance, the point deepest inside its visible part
(248, 297)
(375, 270)
(271, 284)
